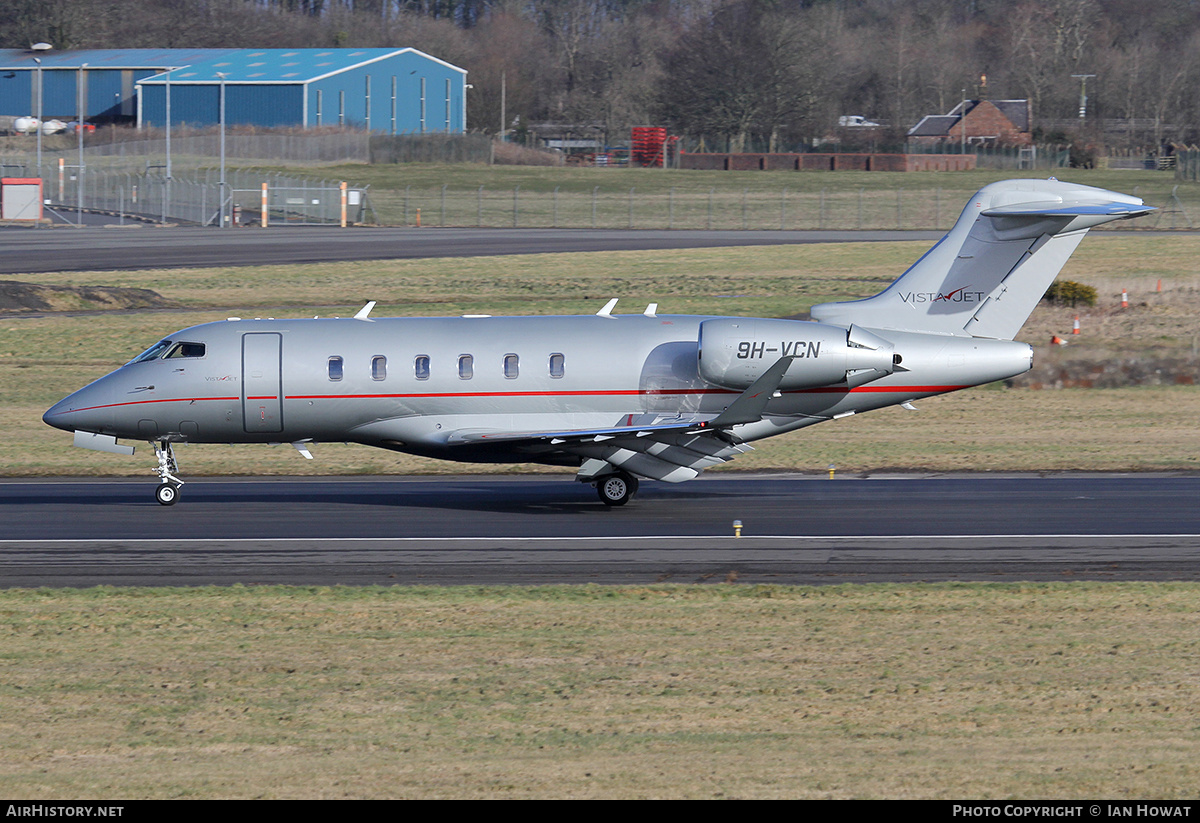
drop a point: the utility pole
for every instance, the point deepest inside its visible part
(79, 131)
(39, 114)
(221, 183)
(962, 124)
(1082, 78)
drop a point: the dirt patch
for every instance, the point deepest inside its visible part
(1111, 374)
(21, 298)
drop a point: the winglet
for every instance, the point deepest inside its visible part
(750, 404)
(365, 311)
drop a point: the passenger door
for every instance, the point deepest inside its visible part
(262, 382)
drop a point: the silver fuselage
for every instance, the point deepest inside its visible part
(272, 381)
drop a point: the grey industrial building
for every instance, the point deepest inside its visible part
(389, 91)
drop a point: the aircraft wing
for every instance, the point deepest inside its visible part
(673, 452)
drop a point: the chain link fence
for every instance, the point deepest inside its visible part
(198, 197)
(197, 150)
(711, 209)
(674, 209)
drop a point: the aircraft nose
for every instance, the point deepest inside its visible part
(57, 414)
(88, 409)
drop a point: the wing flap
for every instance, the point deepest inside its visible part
(672, 457)
(462, 436)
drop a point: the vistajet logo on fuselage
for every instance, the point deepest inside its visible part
(956, 296)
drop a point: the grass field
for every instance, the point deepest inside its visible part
(973, 691)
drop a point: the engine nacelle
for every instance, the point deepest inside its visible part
(735, 351)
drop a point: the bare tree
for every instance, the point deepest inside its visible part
(711, 88)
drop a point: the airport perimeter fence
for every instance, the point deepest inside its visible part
(710, 209)
(620, 208)
(335, 147)
(1187, 164)
(198, 150)
(196, 197)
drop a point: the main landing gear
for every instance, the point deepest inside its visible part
(617, 489)
(167, 492)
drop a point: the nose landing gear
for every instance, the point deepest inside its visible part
(167, 492)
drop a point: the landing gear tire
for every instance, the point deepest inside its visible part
(617, 489)
(167, 494)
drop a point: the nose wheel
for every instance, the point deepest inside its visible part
(167, 493)
(617, 489)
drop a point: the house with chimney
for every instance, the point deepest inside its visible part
(978, 122)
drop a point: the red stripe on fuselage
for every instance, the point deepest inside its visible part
(143, 402)
(611, 393)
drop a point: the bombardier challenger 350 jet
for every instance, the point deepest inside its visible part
(621, 397)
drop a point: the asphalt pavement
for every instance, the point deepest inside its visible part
(539, 529)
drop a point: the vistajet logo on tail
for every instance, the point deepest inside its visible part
(956, 296)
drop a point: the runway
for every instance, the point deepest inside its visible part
(28, 251)
(537, 530)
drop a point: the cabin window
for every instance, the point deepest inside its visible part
(379, 367)
(557, 365)
(512, 366)
(335, 368)
(185, 350)
(421, 367)
(466, 367)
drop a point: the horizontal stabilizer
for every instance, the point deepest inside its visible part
(984, 278)
(1057, 209)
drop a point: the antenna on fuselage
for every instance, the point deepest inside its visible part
(364, 311)
(608, 307)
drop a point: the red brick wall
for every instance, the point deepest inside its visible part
(828, 162)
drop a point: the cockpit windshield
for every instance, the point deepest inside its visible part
(169, 351)
(151, 353)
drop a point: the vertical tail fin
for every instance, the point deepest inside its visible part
(985, 277)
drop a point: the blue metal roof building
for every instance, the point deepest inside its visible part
(109, 80)
(381, 90)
